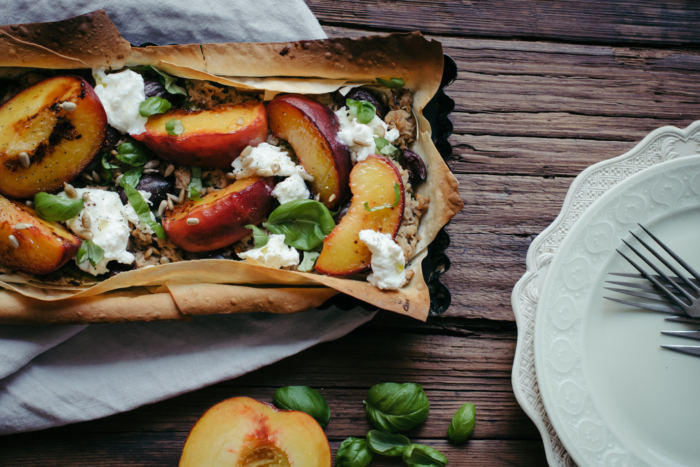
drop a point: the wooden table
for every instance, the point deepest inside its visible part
(545, 89)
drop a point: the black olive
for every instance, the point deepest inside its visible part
(362, 94)
(157, 185)
(417, 172)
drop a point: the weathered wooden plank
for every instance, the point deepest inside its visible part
(629, 21)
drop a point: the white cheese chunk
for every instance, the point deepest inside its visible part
(388, 261)
(358, 137)
(264, 160)
(275, 254)
(121, 94)
(291, 188)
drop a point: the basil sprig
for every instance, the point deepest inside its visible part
(419, 455)
(353, 452)
(397, 199)
(195, 185)
(56, 208)
(170, 82)
(132, 153)
(396, 407)
(143, 211)
(174, 127)
(364, 110)
(309, 261)
(153, 105)
(108, 166)
(303, 399)
(90, 251)
(393, 83)
(259, 237)
(384, 147)
(387, 444)
(462, 425)
(303, 222)
(132, 177)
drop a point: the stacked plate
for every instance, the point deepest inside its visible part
(590, 372)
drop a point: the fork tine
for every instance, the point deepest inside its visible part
(634, 285)
(659, 271)
(657, 297)
(647, 306)
(683, 319)
(693, 350)
(685, 334)
(653, 280)
(685, 265)
(671, 267)
(639, 276)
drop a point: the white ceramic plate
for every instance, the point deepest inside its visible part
(613, 396)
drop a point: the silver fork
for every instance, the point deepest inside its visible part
(689, 334)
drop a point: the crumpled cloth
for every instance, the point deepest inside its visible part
(55, 375)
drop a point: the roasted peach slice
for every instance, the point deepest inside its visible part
(312, 130)
(211, 138)
(219, 219)
(48, 134)
(30, 244)
(372, 182)
(242, 432)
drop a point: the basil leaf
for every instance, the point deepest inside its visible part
(132, 177)
(56, 208)
(143, 211)
(309, 261)
(387, 444)
(384, 147)
(259, 236)
(106, 164)
(174, 127)
(419, 455)
(132, 153)
(90, 251)
(170, 82)
(195, 185)
(153, 105)
(393, 83)
(363, 110)
(397, 199)
(303, 399)
(353, 452)
(395, 407)
(462, 425)
(303, 222)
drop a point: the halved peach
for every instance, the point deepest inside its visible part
(312, 130)
(372, 182)
(212, 138)
(48, 134)
(219, 219)
(30, 244)
(242, 432)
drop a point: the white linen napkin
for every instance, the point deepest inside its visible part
(55, 375)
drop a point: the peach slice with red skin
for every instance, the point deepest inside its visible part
(41, 247)
(312, 130)
(221, 216)
(212, 138)
(372, 182)
(242, 432)
(59, 123)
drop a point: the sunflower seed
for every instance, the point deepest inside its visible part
(118, 180)
(114, 152)
(14, 241)
(264, 172)
(169, 171)
(22, 226)
(174, 198)
(382, 131)
(70, 190)
(181, 198)
(306, 176)
(317, 197)
(231, 176)
(330, 200)
(246, 161)
(86, 197)
(275, 167)
(84, 234)
(359, 142)
(150, 171)
(192, 221)
(152, 164)
(87, 177)
(246, 152)
(29, 203)
(24, 160)
(148, 253)
(171, 206)
(95, 176)
(240, 121)
(161, 209)
(87, 220)
(68, 106)
(164, 260)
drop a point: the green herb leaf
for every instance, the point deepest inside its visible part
(90, 251)
(195, 185)
(106, 164)
(353, 452)
(396, 407)
(397, 199)
(132, 153)
(384, 147)
(309, 261)
(154, 105)
(363, 110)
(132, 177)
(387, 444)
(169, 82)
(303, 222)
(56, 208)
(419, 455)
(462, 425)
(393, 83)
(303, 399)
(259, 236)
(143, 211)
(174, 127)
